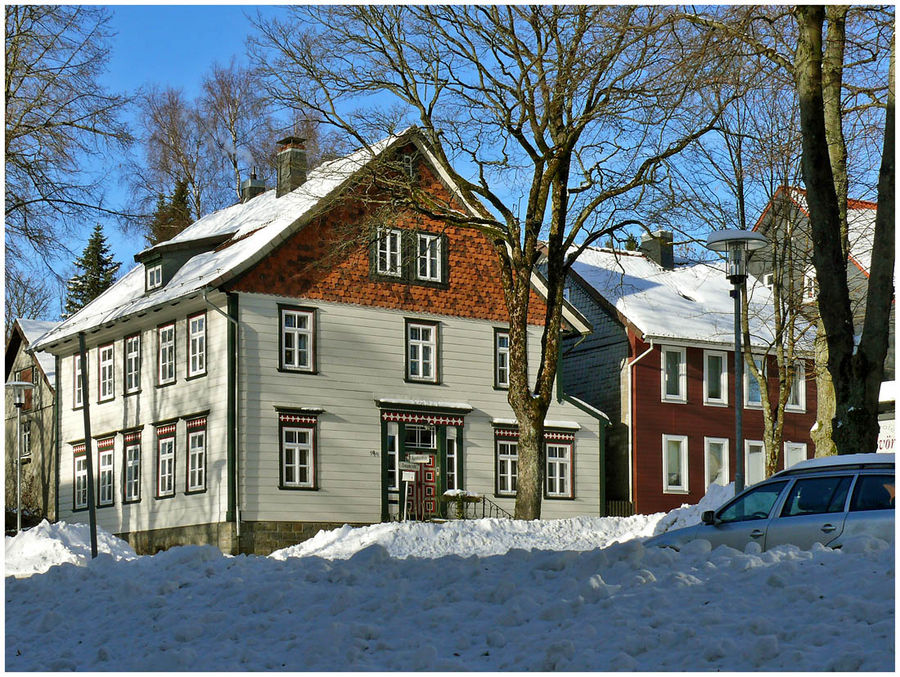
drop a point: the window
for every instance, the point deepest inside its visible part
(501, 359)
(26, 439)
(393, 448)
(165, 468)
(752, 394)
(26, 375)
(818, 495)
(79, 391)
(420, 437)
(715, 455)
(769, 280)
(132, 364)
(297, 339)
(754, 462)
(873, 492)
(715, 378)
(388, 253)
(166, 354)
(132, 467)
(674, 375)
(756, 504)
(452, 468)
(810, 286)
(794, 452)
(81, 478)
(675, 464)
(428, 257)
(196, 459)
(197, 345)
(105, 481)
(105, 356)
(559, 470)
(421, 352)
(797, 397)
(507, 467)
(154, 276)
(297, 465)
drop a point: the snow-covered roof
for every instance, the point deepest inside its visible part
(689, 302)
(256, 227)
(33, 330)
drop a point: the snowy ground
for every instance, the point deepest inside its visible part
(580, 594)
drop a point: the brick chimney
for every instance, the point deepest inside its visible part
(658, 248)
(291, 164)
(252, 187)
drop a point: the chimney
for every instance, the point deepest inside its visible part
(252, 187)
(291, 164)
(658, 248)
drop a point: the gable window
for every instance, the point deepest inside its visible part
(197, 345)
(154, 276)
(105, 480)
(752, 393)
(132, 467)
(81, 477)
(165, 460)
(422, 351)
(715, 378)
(79, 391)
(388, 260)
(428, 257)
(105, 359)
(797, 397)
(754, 462)
(507, 467)
(674, 375)
(166, 354)
(196, 479)
(559, 470)
(26, 375)
(297, 447)
(675, 464)
(715, 460)
(132, 364)
(26, 439)
(297, 339)
(501, 359)
(794, 452)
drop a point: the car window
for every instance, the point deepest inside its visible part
(816, 495)
(873, 492)
(756, 504)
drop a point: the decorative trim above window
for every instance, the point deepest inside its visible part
(297, 450)
(430, 419)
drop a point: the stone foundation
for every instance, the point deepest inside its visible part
(263, 538)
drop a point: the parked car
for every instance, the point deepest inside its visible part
(822, 500)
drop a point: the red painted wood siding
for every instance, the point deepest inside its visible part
(653, 418)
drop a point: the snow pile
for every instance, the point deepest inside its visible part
(36, 550)
(689, 515)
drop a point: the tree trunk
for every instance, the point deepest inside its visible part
(821, 435)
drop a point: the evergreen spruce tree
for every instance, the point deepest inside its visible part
(96, 272)
(172, 216)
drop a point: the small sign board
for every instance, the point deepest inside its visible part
(419, 458)
(408, 476)
(406, 465)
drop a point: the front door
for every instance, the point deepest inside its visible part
(420, 447)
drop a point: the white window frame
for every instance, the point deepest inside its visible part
(78, 397)
(296, 447)
(683, 459)
(106, 478)
(749, 378)
(106, 359)
(165, 354)
(165, 469)
(421, 354)
(723, 379)
(393, 455)
(501, 360)
(196, 480)
(132, 364)
(154, 277)
(790, 448)
(389, 252)
(810, 286)
(196, 345)
(452, 453)
(133, 471)
(428, 257)
(80, 482)
(757, 444)
(507, 467)
(295, 334)
(558, 470)
(681, 397)
(797, 397)
(726, 459)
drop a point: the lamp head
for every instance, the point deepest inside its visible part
(737, 246)
(19, 388)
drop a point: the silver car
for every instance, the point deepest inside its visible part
(822, 500)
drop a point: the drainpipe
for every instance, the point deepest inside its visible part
(631, 419)
(237, 418)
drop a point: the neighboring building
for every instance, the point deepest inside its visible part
(281, 365)
(660, 364)
(39, 459)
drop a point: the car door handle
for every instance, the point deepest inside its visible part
(828, 528)
(756, 533)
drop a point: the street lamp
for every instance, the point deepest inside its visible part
(19, 389)
(737, 245)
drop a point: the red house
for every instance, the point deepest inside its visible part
(660, 363)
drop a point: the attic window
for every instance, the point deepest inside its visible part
(154, 276)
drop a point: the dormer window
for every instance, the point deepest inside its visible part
(154, 276)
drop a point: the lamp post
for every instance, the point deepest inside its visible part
(737, 246)
(19, 389)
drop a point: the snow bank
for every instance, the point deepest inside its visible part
(688, 515)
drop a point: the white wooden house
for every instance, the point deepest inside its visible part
(257, 378)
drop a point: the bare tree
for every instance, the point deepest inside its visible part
(552, 121)
(26, 295)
